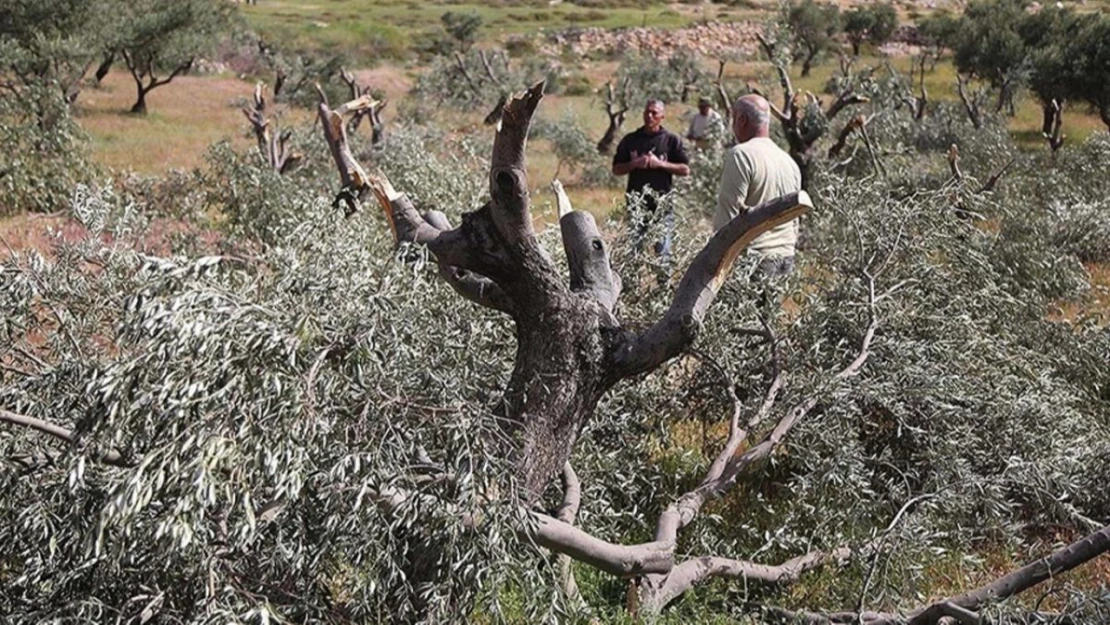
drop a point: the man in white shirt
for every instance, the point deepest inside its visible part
(755, 171)
(702, 122)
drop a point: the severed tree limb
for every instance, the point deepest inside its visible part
(972, 102)
(567, 513)
(619, 560)
(473, 286)
(110, 457)
(508, 177)
(696, 570)
(963, 608)
(845, 99)
(1054, 132)
(587, 253)
(373, 111)
(993, 180)
(723, 98)
(954, 162)
(853, 125)
(1063, 560)
(351, 173)
(461, 64)
(702, 280)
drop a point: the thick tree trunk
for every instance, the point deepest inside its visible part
(560, 375)
(605, 146)
(139, 108)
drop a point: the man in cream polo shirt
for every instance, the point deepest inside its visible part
(755, 171)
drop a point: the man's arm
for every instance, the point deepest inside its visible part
(621, 169)
(735, 178)
(678, 162)
(677, 169)
(625, 161)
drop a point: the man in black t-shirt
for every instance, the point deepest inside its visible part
(651, 156)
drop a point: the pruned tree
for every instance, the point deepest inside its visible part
(374, 113)
(802, 115)
(616, 106)
(1053, 132)
(478, 85)
(917, 102)
(973, 101)
(571, 347)
(272, 146)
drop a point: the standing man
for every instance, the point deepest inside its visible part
(704, 120)
(651, 156)
(756, 171)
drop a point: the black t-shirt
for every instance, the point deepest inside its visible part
(665, 144)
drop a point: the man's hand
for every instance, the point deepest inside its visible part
(638, 161)
(653, 161)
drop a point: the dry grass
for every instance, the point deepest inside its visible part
(1096, 304)
(186, 116)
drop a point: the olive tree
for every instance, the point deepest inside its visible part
(812, 27)
(873, 24)
(160, 41)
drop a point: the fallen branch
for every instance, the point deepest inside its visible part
(110, 457)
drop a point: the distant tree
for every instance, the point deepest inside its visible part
(1052, 73)
(159, 41)
(939, 29)
(1089, 50)
(48, 42)
(873, 24)
(989, 46)
(463, 27)
(812, 27)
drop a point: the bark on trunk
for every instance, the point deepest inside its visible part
(139, 108)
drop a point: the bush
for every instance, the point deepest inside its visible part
(45, 153)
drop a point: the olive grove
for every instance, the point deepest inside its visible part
(438, 392)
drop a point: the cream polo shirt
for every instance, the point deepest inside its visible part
(754, 172)
(699, 124)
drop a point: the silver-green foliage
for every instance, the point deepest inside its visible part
(267, 395)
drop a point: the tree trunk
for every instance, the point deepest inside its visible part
(606, 144)
(807, 64)
(559, 377)
(139, 108)
(105, 65)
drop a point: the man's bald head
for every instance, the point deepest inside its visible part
(751, 117)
